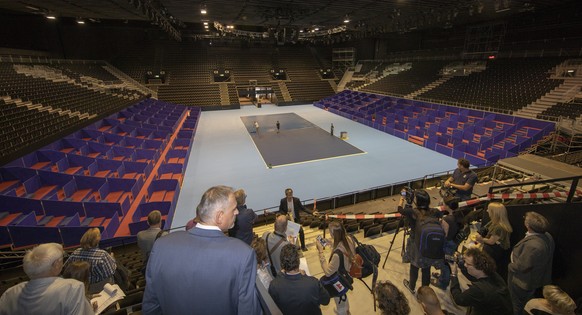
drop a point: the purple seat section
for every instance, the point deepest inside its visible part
(122, 153)
(105, 209)
(25, 236)
(13, 204)
(11, 178)
(138, 167)
(105, 168)
(88, 135)
(403, 118)
(5, 239)
(63, 208)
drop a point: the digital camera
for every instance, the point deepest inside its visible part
(457, 258)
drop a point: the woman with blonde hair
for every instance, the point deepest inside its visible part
(555, 302)
(340, 242)
(102, 263)
(496, 240)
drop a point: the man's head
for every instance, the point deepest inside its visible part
(241, 197)
(391, 301)
(281, 223)
(289, 194)
(289, 258)
(217, 207)
(155, 218)
(463, 164)
(45, 260)
(91, 238)
(429, 300)
(479, 264)
(535, 222)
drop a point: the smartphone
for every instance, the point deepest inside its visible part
(324, 242)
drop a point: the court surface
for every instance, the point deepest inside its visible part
(296, 141)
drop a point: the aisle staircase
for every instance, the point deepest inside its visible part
(563, 93)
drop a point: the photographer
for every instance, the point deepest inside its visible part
(422, 255)
(488, 294)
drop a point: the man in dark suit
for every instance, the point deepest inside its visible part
(202, 271)
(243, 225)
(531, 262)
(290, 206)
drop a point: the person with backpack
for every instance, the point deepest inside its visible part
(341, 245)
(424, 247)
(451, 226)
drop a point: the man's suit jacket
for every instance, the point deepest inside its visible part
(531, 266)
(243, 226)
(296, 207)
(146, 239)
(201, 272)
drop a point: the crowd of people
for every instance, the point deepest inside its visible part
(213, 267)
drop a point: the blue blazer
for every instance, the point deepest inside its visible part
(243, 226)
(201, 272)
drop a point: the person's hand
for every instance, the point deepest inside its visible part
(315, 212)
(454, 268)
(95, 306)
(319, 247)
(447, 184)
(302, 271)
(479, 238)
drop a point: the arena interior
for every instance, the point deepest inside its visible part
(112, 109)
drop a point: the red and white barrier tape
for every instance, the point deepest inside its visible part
(461, 204)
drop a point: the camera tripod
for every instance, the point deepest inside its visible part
(404, 223)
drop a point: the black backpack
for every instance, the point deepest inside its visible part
(370, 256)
(430, 238)
(371, 260)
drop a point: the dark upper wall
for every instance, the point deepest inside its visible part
(64, 38)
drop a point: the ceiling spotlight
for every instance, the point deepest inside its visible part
(203, 9)
(206, 26)
(51, 16)
(316, 29)
(346, 19)
(205, 23)
(80, 21)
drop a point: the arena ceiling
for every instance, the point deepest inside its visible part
(379, 15)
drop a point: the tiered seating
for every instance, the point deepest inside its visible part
(571, 110)
(302, 71)
(478, 136)
(58, 95)
(22, 126)
(190, 71)
(34, 109)
(96, 71)
(506, 83)
(93, 177)
(137, 61)
(421, 74)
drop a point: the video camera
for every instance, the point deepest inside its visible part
(408, 193)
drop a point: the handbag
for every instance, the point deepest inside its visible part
(339, 282)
